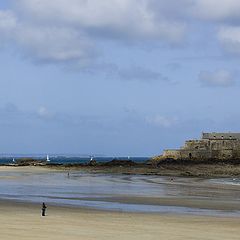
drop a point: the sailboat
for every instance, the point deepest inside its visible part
(48, 160)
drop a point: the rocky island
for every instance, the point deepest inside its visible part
(218, 146)
(214, 155)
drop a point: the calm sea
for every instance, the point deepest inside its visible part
(69, 159)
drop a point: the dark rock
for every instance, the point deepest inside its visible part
(124, 163)
(29, 162)
(92, 163)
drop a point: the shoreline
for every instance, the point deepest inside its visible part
(23, 221)
(23, 204)
(169, 207)
(171, 170)
(176, 170)
(200, 200)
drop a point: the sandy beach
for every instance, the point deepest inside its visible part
(23, 221)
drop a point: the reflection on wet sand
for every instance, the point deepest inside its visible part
(125, 193)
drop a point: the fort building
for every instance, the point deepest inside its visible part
(210, 146)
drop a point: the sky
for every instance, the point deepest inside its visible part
(116, 77)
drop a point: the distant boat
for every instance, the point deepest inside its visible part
(128, 157)
(48, 160)
(13, 160)
(91, 158)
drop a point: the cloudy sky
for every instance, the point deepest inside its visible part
(116, 77)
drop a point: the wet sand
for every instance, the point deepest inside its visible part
(23, 221)
(32, 169)
(129, 193)
(220, 206)
(180, 170)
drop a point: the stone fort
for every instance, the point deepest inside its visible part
(210, 146)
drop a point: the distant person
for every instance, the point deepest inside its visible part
(68, 174)
(43, 209)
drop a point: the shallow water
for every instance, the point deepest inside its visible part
(101, 191)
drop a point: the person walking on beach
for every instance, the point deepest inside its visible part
(43, 209)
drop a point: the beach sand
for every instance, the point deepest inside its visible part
(23, 221)
(32, 169)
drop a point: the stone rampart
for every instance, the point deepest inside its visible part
(214, 147)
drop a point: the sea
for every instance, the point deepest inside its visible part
(69, 158)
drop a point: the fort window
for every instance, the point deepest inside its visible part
(190, 155)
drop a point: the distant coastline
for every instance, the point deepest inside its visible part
(168, 167)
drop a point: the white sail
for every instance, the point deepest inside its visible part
(48, 160)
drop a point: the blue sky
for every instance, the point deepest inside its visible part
(116, 77)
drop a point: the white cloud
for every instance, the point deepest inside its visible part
(133, 19)
(224, 17)
(161, 121)
(43, 42)
(68, 30)
(219, 78)
(7, 25)
(44, 113)
(230, 39)
(7, 20)
(53, 44)
(224, 10)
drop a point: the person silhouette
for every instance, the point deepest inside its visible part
(43, 209)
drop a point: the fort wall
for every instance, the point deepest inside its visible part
(217, 146)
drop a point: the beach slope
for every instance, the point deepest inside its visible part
(23, 221)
